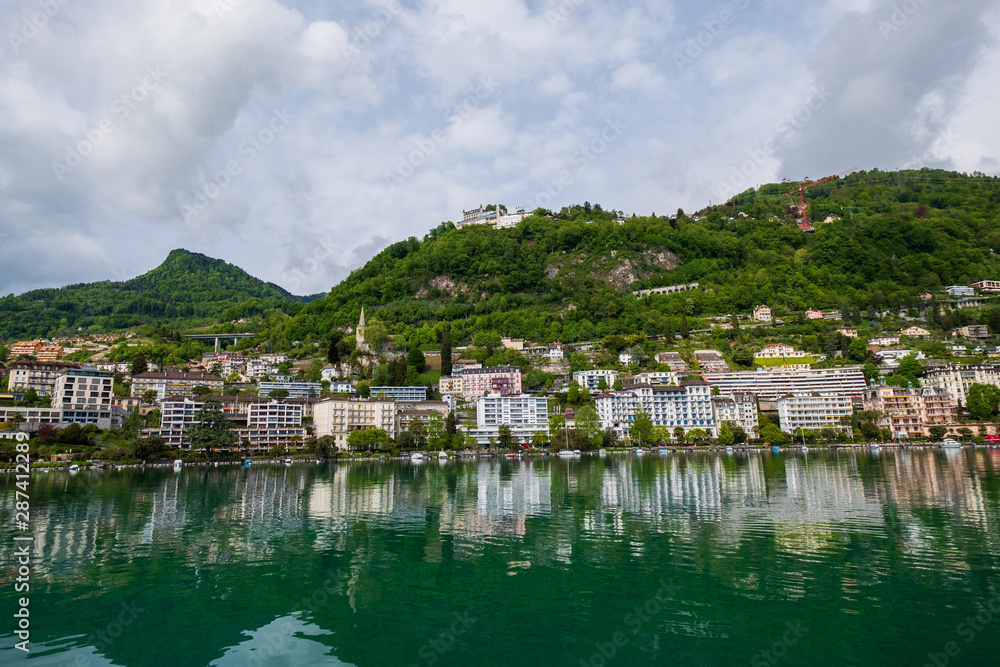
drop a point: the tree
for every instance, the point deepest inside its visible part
(588, 422)
(149, 396)
(146, 449)
(556, 424)
(315, 371)
(871, 373)
(278, 393)
(446, 360)
(910, 368)
(436, 435)
(573, 393)
(419, 431)
(642, 429)
(46, 432)
(416, 360)
(325, 446)
(201, 390)
(937, 431)
(211, 427)
(397, 372)
(602, 384)
(369, 440)
(376, 335)
(333, 351)
(773, 435)
(490, 340)
(618, 386)
(983, 401)
(233, 378)
(504, 437)
(610, 437)
(726, 437)
(4, 354)
(739, 434)
(859, 349)
(685, 332)
(614, 343)
(139, 364)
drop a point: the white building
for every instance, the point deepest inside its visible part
(884, 341)
(294, 389)
(988, 285)
(267, 424)
(84, 395)
(657, 378)
(846, 381)
(813, 411)
(340, 417)
(739, 408)
(688, 406)
(524, 415)
(401, 393)
(960, 290)
(957, 379)
(780, 351)
(916, 332)
(592, 378)
(762, 314)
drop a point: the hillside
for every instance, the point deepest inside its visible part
(570, 275)
(188, 289)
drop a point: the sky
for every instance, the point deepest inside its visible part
(297, 138)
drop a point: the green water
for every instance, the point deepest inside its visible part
(686, 559)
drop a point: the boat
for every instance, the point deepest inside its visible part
(577, 452)
(804, 449)
(664, 451)
(74, 468)
(775, 449)
(949, 443)
(729, 450)
(513, 456)
(288, 462)
(178, 464)
(246, 463)
(602, 452)
(638, 450)
(567, 453)
(442, 455)
(416, 456)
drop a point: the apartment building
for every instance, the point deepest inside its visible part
(739, 408)
(956, 379)
(688, 406)
(524, 415)
(592, 378)
(973, 332)
(401, 393)
(711, 361)
(780, 351)
(907, 412)
(762, 314)
(85, 396)
(845, 381)
(38, 375)
(450, 386)
(988, 285)
(339, 417)
(503, 380)
(264, 424)
(27, 347)
(656, 378)
(49, 353)
(813, 411)
(294, 389)
(173, 383)
(674, 360)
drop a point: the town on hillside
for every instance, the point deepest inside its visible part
(766, 377)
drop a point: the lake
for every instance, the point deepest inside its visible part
(825, 558)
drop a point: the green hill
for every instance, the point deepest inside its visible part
(570, 275)
(187, 290)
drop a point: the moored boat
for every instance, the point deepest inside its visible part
(950, 443)
(416, 456)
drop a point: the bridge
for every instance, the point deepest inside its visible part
(219, 337)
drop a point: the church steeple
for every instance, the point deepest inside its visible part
(359, 334)
(361, 322)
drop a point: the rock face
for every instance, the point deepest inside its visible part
(443, 283)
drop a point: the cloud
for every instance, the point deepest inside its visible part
(385, 126)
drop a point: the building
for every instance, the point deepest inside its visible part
(49, 353)
(512, 343)
(503, 380)
(262, 423)
(956, 379)
(359, 333)
(916, 332)
(711, 361)
(988, 285)
(814, 314)
(739, 408)
(657, 378)
(38, 375)
(845, 381)
(294, 389)
(973, 332)
(908, 412)
(524, 415)
(592, 378)
(762, 314)
(408, 411)
(263, 366)
(342, 387)
(688, 406)
(478, 216)
(173, 383)
(511, 220)
(626, 358)
(813, 411)
(31, 418)
(960, 290)
(883, 341)
(673, 360)
(671, 289)
(401, 393)
(25, 347)
(339, 417)
(926, 296)
(84, 394)
(450, 386)
(848, 332)
(780, 351)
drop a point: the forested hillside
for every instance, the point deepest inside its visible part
(569, 275)
(188, 289)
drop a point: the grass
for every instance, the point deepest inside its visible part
(782, 362)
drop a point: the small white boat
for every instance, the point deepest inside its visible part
(416, 456)
(442, 455)
(638, 450)
(178, 464)
(602, 452)
(949, 443)
(567, 453)
(74, 468)
(729, 450)
(288, 462)
(804, 449)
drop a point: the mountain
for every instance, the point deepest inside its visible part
(188, 289)
(570, 275)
